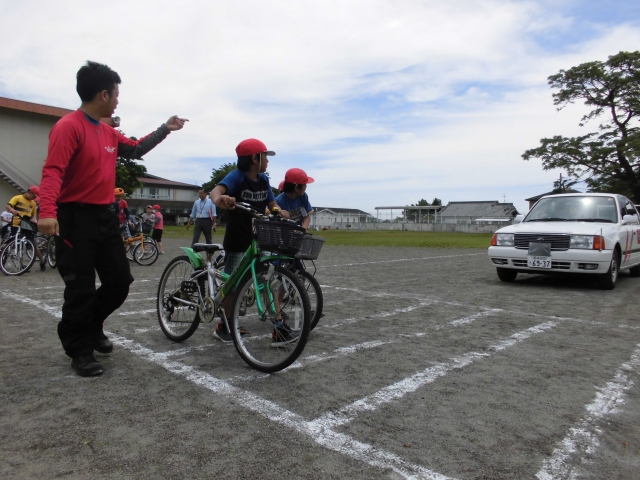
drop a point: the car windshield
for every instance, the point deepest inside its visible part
(574, 209)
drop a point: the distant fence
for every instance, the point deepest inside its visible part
(420, 227)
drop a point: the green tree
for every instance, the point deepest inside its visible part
(436, 201)
(218, 174)
(128, 172)
(607, 160)
(415, 215)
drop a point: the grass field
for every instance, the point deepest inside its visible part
(371, 238)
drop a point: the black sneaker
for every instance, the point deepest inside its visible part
(86, 366)
(43, 266)
(103, 345)
(221, 333)
(283, 335)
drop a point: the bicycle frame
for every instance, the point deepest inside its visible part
(230, 282)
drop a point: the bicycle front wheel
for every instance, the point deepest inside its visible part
(314, 292)
(17, 257)
(146, 253)
(271, 338)
(177, 302)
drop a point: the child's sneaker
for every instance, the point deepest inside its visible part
(283, 335)
(221, 333)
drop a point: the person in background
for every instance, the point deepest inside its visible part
(25, 205)
(121, 209)
(148, 219)
(158, 227)
(7, 219)
(78, 181)
(203, 214)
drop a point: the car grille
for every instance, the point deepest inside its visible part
(556, 265)
(558, 242)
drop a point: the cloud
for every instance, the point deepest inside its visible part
(407, 99)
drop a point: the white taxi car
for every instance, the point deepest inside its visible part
(591, 233)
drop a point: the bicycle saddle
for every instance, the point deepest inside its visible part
(207, 247)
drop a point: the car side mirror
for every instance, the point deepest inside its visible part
(629, 219)
(518, 219)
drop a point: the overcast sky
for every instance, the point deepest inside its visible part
(382, 102)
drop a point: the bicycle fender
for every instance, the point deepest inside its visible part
(195, 259)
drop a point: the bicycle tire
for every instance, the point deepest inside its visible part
(148, 256)
(15, 263)
(177, 321)
(314, 292)
(253, 333)
(129, 251)
(51, 253)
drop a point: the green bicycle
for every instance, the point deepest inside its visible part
(269, 333)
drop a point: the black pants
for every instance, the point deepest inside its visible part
(202, 225)
(89, 242)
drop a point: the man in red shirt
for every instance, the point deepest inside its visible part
(76, 192)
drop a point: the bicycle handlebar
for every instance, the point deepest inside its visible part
(258, 214)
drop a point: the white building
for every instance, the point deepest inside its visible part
(175, 198)
(24, 142)
(337, 217)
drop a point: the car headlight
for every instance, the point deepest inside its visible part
(502, 240)
(581, 241)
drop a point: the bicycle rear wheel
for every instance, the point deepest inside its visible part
(263, 340)
(146, 254)
(17, 256)
(314, 292)
(178, 320)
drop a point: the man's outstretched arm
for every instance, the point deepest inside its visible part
(136, 149)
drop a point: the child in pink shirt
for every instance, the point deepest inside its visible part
(158, 227)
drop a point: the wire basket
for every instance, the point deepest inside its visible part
(310, 248)
(27, 226)
(280, 237)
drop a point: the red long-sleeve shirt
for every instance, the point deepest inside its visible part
(81, 163)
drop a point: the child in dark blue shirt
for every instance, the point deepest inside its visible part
(294, 199)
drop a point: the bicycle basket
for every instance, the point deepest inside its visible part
(146, 227)
(310, 248)
(280, 237)
(27, 226)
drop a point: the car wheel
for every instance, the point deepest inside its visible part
(507, 274)
(608, 280)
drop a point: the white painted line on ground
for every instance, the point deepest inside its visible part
(304, 361)
(374, 316)
(55, 311)
(583, 438)
(145, 330)
(312, 359)
(186, 350)
(139, 312)
(62, 286)
(337, 442)
(412, 383)
(471, 318)
(401, 260)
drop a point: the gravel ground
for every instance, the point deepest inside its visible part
(424, 366)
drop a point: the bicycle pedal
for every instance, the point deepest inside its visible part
(189, 287)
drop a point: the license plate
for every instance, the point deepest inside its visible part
(538, 262)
